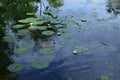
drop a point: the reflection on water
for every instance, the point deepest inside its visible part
(113, 6)
(95, 27)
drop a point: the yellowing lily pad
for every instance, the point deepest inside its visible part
(46, 51)
(20, 51)
(40, 64)
(15, 67)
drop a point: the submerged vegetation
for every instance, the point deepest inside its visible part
(38, 39)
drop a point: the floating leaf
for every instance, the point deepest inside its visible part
(66, 42)
(62, 30)
(60, 26)
(40, 64)
(38, 22)
(23, 21)
(44, 17)
(46, 51)
(104, 77)
(9, 38)
(30, 19)
(81, 49)
(20, 51)
(18, 26)
(15, 67)
(30, 14)
(42, 28)
(22, 32)
(27, 20)
(33, 27)
(25, 44)
(111, 48)
(47, 33)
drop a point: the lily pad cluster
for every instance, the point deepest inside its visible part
(45, 24)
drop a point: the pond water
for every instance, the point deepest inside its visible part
(91, 24)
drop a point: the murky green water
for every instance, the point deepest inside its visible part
(91, 24)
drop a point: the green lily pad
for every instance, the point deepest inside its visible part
(44, 17)
(104, 77)
(15, 67)
(66, 42)
(111, 48)
(40, 64)
(80, 49)
(20, 51)
(30, 14)
(27, 20)
(38, 22)
(47, 33)
(62, 30)
(46, 51)
(33, 27)
(42, 28)
(25, 44)
(30, 19)
(22, 32)
(60, 26)
(23, 21)
(9, 38)
(18, 26)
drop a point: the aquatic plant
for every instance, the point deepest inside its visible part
(24, 44)
(30, 14)
(111, 48)
(66, 42)
(15, 67)
(9, 38)
(40, 64)
(22, 32)
(18, 26)
(80, 49)
(20, 51)
(46, 51)
(47, 33)
(104, 77)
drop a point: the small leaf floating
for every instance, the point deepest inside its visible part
(47, 33)
(80, 49)
(9, 38)
(20, 51)
(15, 67)
(40, 64)
(104, 77)
(111, 48)
(46, 51)
(22, 32)
(18, 26)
